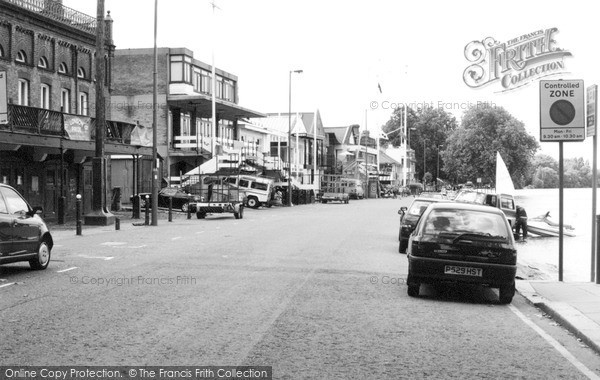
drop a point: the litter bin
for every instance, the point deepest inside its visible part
(116, 199)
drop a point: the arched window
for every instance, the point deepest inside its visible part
(1, 51)
(43, 63)
(80, 72)
(21, 56)
(62, 68)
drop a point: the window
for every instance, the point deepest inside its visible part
(83, 104)
(45, 96)
(14, 203)
(23, 92)
(43, 62)
(62, 68)
(80, 72)
(181, 69)
(1, 52)
(65, 100)
(244, 183)
(186, 124)
(21, 56)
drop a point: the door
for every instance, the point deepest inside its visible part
(5, 229)
(24, 231)
(50, 192)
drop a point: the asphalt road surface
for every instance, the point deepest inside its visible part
(315, 291)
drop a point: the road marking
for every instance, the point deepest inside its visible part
(557, 346)
(200, 232)
(113, 243)
(97, 257)
(9, 284)
(66, 270)
(176, 238)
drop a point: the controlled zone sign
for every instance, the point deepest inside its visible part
(562, 110)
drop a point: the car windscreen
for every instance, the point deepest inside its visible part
(470, 197)
(461, 222)
(418, 208)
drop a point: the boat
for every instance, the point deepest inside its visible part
(542, 225)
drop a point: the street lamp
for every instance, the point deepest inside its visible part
(424, 169)
(289, 142)
(438, 166)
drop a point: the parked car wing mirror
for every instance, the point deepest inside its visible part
(37, 210)
(402, 210)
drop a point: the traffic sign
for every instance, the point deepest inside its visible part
(592, 106)
(562, 116)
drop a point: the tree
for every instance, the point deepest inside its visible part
(393, 127)
(471, 150)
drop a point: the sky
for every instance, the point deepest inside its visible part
(414, 51)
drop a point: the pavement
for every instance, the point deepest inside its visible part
(575, 305)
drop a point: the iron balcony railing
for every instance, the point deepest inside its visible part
(58, 12)
(45, 122)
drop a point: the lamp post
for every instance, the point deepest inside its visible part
(155, 183)
(424, 169)
(437, 176)
(289, 143)
(408, 148)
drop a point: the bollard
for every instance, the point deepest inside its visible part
(78, 214)
(117, 224)
(147, 221)
(170, 209)
(136, 207)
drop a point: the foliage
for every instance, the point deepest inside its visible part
(576, 172)
(485, 130)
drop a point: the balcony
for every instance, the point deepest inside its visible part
(43, 122)
(58, 12)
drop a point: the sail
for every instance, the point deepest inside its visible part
(504, 183)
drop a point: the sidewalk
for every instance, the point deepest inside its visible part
(574, 305)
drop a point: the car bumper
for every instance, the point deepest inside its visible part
(431, 270)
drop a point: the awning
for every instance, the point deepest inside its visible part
(203, 106)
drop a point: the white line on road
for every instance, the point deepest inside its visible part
(200, 232)
(176, 238)
(97, 257)
(66, 270)
(557, 346)
(9, 284)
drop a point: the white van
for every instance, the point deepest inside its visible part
(355, 188)
(259, 190)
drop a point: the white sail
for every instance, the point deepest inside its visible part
(504, 183)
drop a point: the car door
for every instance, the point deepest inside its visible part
(24, 229)
(5, 229)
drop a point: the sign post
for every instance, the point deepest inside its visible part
(562, 118)
(592, 107)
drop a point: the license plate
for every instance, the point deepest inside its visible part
(464, 271)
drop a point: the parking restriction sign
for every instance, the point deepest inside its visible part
(562, 115)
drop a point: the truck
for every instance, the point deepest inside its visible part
(335, 188)
(218, 196)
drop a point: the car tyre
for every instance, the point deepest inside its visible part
(200, 215)
(185, 207)
(42, 259)
(253, 202)
(324, 201)
(413, 286)
(401, 248)
(507, 293)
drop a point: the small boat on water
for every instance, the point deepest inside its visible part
(542, 225)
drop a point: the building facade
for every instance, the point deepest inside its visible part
(47, 55)
(185, 135)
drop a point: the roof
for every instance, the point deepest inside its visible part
(344, 135)
(301, 123)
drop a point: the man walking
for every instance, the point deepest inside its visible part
(521, 223)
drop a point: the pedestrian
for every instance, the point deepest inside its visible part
(521, 223)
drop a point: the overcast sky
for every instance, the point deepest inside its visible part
(414, 50)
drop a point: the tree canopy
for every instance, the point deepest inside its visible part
(471, 150)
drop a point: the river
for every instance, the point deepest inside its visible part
(542, 252)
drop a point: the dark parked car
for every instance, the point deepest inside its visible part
(463, 243)
(181, 199)
(23, 234)
(504, 202)
(409, 218)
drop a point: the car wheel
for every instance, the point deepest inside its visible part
(43, 257)
(401, 247)
(507, 293)
(200, 215)
(324, 201)
(253, 202)
(413, 286)
(185, 207)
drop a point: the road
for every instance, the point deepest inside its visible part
(315, 291)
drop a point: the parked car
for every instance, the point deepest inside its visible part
(24, 235)
(409, 218)
(355, 188)
(504, 202)
(463, 243)
(181, 199)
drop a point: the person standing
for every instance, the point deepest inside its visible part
(521, 223)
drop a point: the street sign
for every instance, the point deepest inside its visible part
(562, 116)
(592, 107)
(3, 102)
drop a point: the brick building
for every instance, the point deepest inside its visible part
(47, 54)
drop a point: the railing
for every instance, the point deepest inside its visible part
(45, 122)
(58, 12)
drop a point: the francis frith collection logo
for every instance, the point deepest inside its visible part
(514, 63)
